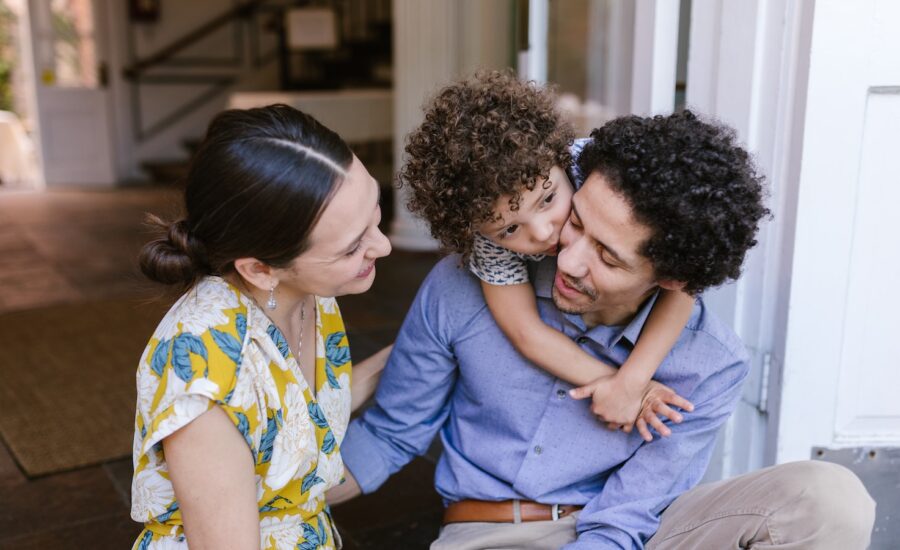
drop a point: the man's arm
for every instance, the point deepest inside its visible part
(626, 512)
(412, 400)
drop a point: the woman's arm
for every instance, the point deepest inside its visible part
(211, 469)
(345, 491)
(366, 375)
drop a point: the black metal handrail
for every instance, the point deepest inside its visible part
(145, 71)
(242, 11)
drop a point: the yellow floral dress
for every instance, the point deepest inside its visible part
(215, 347)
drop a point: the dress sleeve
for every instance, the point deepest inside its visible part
(184, 375)
(496, 265)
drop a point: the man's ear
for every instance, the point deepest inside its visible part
(669, 284)
(255, 273)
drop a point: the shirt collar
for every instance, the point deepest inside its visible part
(543, 275)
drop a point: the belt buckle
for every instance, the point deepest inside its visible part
(554, 512)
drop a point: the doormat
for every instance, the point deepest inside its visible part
(67, 381)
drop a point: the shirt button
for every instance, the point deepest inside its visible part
(560, 394)
(538, 450)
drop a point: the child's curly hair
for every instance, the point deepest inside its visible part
(484, 137)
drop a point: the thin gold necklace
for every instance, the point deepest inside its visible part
(302, 315)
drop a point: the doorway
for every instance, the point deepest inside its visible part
(75, 117)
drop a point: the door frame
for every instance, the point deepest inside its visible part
(103, 45)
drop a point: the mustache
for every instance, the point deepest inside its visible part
(579, 286)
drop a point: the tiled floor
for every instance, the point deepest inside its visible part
(68, 246)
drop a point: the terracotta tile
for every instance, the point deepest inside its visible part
(58, 500)
(110, 531)
(14, 240)
(10, 474)
(34, 287)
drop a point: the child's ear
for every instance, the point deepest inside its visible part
(669, 284)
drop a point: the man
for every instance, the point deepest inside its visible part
(524, 465)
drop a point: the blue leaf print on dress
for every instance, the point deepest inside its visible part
(270, 506)
(328, 443)
(312, 538)
(160, 356)
(279, 340)
(309, 480)
(336, 354)
(268, 438)
(243, 426)
(332, 379)
(317, 415)
(145, 541)
(240, 323)
(164, 517)
(323, 534)
(185, 344)
(228, 344)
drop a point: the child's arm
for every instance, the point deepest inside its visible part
(514, 308)
(664, 325)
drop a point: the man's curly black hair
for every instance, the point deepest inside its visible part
(483, 137)
(691, 184)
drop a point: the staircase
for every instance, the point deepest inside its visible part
(361, 60)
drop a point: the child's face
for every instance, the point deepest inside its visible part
(534, 228)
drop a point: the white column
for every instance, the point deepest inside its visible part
(538, 28)
(425, 56)
(436, 41)
(655, 56)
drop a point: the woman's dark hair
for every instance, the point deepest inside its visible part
(691, 184)
(255, 189)
(482, 138)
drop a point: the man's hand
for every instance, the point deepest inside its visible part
(625, 405)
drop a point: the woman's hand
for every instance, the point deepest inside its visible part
(366, 375)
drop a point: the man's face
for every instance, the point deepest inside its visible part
(600, 273)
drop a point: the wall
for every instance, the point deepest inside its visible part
(221, 52)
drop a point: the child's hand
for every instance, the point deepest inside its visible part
(656, 401)
(620, 405)
(615, 401)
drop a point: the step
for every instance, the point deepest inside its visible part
(166, 170)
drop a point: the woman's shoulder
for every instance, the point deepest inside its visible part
(201, 337)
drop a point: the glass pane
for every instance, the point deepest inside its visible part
(73, 43)
(589, 52)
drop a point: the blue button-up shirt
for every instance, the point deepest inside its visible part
(510, 430)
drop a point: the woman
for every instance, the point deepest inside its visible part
(280, 218)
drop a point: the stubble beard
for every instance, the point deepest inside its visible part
(575, 309)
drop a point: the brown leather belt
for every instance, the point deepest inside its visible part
(505, 511)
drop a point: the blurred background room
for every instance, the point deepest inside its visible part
(103, 101)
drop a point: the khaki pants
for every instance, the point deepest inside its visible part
(801, 505)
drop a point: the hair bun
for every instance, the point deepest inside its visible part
(176, 258)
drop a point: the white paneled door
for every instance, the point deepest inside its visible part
(842, 354)
(73, 104)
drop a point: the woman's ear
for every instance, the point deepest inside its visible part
(256, 273)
